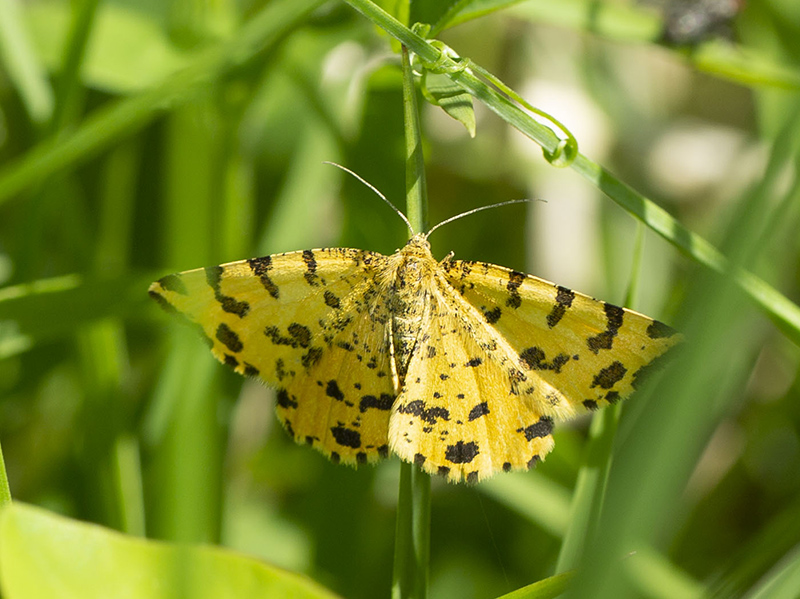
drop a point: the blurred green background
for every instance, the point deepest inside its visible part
(139, 138)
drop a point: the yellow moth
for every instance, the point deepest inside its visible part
(459, 367)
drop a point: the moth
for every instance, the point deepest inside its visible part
(459, 367)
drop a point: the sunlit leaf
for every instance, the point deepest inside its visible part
(44, 555)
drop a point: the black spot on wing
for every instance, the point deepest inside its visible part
(419, 459)
(330, 299)
(541, 428)
(311, 357)
(285, 401)
(261, 268)
(346, 437)
(610, 375)
(384, 402)
(332, 390)
(658, 330)
(605, 340)
(280, 369)
(298, 335)
(472, 477)
(492, 316)
(590, 404)
(564, 298)
(481, 409)
(419, 409)
(311, 268)
(515, 279)
(535, 359)
(614, 314)
(229, 304)
(173, 283)
(474, 362)
(461, 453)
(229, 338)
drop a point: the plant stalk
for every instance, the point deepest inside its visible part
(412, 535)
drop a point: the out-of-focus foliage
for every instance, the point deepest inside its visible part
(118, 166)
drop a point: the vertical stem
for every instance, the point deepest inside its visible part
(412, 535)
(416, 188)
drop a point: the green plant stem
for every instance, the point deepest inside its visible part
(412, 535)
(784, 313)
(416, 188)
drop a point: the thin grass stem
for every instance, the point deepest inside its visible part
(412, 534)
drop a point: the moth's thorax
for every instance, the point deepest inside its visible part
(411, 280)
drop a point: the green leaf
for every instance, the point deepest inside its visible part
(34, 312)
(44, 555)
(543, 589)
(783, 581)
(442, 91)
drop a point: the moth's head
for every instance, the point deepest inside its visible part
(418, 245)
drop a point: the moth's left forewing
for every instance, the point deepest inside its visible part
(586, 352)
(309, 324)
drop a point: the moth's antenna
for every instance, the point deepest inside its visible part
(474, 210)
(373, 188)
